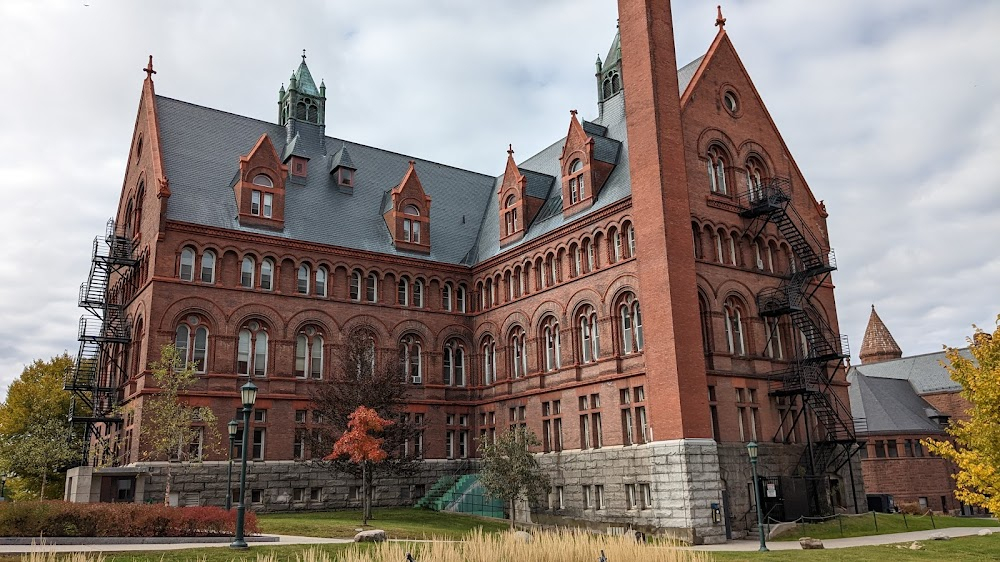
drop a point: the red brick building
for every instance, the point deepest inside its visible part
(648, 294)
(900, 401)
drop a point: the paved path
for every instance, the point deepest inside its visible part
(748, 545)
(283, 540)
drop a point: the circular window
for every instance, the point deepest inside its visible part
(193, 320)
(729, 99)
(253, 325)
(310, 331)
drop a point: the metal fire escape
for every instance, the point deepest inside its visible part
(100, 370)
(820, 352)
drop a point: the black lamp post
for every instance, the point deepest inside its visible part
(3, 484)
(233, 427)
(248, 393)
(752, 451)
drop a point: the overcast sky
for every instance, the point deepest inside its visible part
(890, 109)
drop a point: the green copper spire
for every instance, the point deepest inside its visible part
(304, 78)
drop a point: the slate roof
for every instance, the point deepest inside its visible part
(924, 371)
(890, 405)
(201, 149)
(686, 73)
(304, 80)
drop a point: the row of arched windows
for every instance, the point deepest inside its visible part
(721, 178)
(780, 341)
(543, 271)
(728, 246)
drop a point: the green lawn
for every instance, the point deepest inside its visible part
(963, 549)
(399, 523)
(864, 525)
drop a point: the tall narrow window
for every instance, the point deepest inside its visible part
(616, 246)
(302, 284)
(510, 215)
(403, 291)
(519, 360)
(550, 335)
(191, 341)
(588, 248)
(268, 205)
(267, 274)
(589, 335)
(631, 324)
(208, 267)
(371, 287)
(247, 272)
(410, 358)
(774, 349)
(187, 264)
(251, 356)
(630, 237)
(454, 363)
(717, 171)
(255, 202)
(309, 354)
(446, 292)
(755, 173)
(460, 300)
(418, 293)
(321, 281)
(355, 285)
(489, 360)
(411, 227)
(735, 342)
(576, 183)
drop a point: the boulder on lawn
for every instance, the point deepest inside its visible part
(809, 543)
(523, 536)
(916, 546)
(985, 533)
(374, 535)
(939, 537)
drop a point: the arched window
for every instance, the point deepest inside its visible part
(460, 301)
(631, 324)
(418, 293)
(187, 264)
(208, 267)
(446, 295)
(410, 360)
(309, 353)
(489, 349)
(550, 337)
(302, 286)
(518, 355)
(717, 238)
(267, 274)
(607, 88)
(191, 341)
(127, 231)
(411, 228)
(371, 287)
(590, 346)
(735, 339)
(616, 246)
(577, 261)
(616, 82)
(591, 255)
(403, 291)
(731, 239)
(356, 285)
(717, 170)
(629, 239)
(755, 175)
(576, 184)
(262, 180)
(246, 272)
(453, 362)
(706, 327)
(251, 354)
(321, 281)
(510, 215)
(774, 349)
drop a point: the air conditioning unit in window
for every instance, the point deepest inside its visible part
(760, 264)
(415, 380)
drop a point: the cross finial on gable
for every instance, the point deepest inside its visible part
(510, 150)
(149, 69)
(303, 55)
(720, 21)
(572, 112)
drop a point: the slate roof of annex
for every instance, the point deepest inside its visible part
(201, 149)
(890, 405)
(924, 371)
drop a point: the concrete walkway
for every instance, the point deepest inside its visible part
(283, 540)
(751, 545)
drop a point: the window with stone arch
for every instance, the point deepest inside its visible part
(371, 287)
(518, 353)
(590, 345)
(267, 274)
(510, 214)
(191, 341)
(355, 285)
(302, 281)
(418, 293)
(735, 312)
(411, 358)
(251, 349)
(247, 272)
(321, 277)
(756, 174)
(411, 227)
(447, 294)
(309, 353)
(208, 267)
(577, 263)
(716, 162)
(630, 321)
(551, 345)
(628, 233)
(489, 350)
(576, 183)
(187, 264)
(615, 249)
(453, 363)
(590, 255)
(460, 297)
(704, 315)
(403, 291)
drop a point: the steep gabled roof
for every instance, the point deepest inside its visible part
(878, 343)
(926, 371)
(890, 406)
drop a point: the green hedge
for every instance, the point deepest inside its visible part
(64, 519)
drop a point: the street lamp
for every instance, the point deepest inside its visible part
(3, 484)
(752, 451)
(248, 393)
(233, 427)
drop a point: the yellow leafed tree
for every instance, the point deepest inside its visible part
(975, 449)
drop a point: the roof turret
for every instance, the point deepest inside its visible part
(878, 344)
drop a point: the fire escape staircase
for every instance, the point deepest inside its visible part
(104, 333)
(822, 351)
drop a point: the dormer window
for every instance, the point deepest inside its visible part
(411, 227)
(260, 191)
(345, 177)
(510, 214)
(576, 183)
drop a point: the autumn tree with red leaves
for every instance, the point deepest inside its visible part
(362, 446)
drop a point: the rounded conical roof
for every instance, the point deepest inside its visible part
(878, 344)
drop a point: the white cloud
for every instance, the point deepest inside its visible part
(890, 109)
